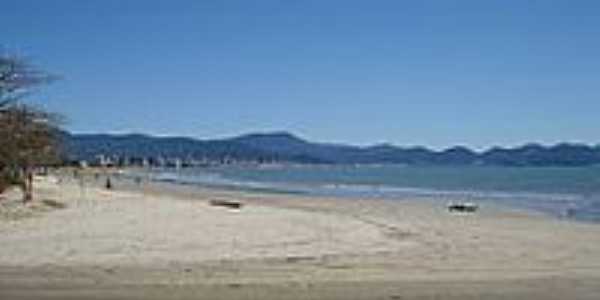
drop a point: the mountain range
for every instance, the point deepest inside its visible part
(285, 147)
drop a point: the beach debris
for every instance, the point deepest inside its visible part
(54, 204)
(226, 203)
(235, 285)
(298, 259)
(468, 207)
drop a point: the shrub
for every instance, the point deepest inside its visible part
(6, 181)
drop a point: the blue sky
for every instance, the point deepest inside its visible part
(434, 73)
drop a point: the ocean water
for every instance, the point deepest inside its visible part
(572, 193)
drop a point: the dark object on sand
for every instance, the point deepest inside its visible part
(108, 183)
(570, 212)
(463, 207)
(226, 203)
(54, 204)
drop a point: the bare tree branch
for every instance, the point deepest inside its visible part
(18, 78)
(29, 136)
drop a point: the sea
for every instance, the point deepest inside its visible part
(562, 192)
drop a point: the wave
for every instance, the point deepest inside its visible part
(359, 189)
(556, 204)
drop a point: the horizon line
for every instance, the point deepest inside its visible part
(308, 140)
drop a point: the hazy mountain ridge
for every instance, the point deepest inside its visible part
(285, 147)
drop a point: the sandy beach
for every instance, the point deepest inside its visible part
(161, 241)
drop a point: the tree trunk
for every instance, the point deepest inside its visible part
(28, 186)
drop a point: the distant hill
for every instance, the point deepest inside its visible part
(89, 146)
(285, 147)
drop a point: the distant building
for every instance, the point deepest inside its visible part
(83, 164)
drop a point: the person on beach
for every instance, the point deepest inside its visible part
(108, 184)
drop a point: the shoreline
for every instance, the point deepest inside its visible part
(161, 236)
(560, 206)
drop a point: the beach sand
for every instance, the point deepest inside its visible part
(162, 241)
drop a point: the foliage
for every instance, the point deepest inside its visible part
(17, 78)
(5, 181)
(28, 135)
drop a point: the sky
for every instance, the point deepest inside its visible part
(432, 73)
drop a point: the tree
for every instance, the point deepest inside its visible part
(29, 137)
(17, 78)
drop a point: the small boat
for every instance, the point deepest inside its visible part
(469, 207)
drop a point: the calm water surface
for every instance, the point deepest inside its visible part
(562, 192)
